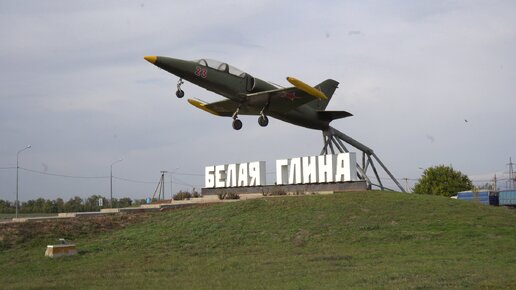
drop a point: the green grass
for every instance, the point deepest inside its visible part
(348, 240)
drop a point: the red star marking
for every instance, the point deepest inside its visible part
(289, 95)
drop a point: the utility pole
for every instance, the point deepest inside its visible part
(163, 183)
(160, 189)
(495, 182)
(171, 192)
(511, 175)
(18, 169)
(111, 183)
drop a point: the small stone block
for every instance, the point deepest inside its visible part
(54, 251)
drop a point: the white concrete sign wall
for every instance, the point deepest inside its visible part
(235, 175)
(317, 169)
(300, 170)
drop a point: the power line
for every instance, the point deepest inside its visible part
(182, 182)
(180, 174)
(178, 181)
(133, 181)
(104, 177)
(63, 175)
(188, 174)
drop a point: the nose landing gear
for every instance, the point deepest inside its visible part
(179, 92)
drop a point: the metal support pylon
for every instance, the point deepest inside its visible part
(334, 139)
(160, 189)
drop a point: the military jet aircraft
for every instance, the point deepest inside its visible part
(301, 105)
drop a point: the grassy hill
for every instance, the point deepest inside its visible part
(348, 240)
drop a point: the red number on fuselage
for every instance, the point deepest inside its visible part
(201, 72)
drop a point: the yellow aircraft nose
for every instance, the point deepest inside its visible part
(151, 58)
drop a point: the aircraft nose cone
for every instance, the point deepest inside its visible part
(151, 58)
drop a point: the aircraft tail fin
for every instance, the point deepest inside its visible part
(328, 87)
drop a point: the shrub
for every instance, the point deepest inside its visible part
(442, 180)
(195, 193)
(275, 192)
(182, 195)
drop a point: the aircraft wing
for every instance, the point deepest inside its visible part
(281, 100)
(225, 108)
(278, 100)
(284, 100)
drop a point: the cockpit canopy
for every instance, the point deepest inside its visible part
(221, 66)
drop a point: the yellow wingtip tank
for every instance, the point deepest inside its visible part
(307, 88)
(202, 106)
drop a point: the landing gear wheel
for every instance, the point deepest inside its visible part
(237, 124)
(180, 93)
(263, 121)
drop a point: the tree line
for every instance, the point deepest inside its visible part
(74, 204)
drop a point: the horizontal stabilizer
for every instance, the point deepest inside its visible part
(333, 115)
(307, 88)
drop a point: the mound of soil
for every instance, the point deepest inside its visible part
(12, 234)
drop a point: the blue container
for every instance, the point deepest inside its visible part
(507, 197)
(474, 196)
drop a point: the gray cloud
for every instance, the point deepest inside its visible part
(76, 87)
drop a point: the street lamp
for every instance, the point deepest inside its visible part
(111, 183)
(17, 169)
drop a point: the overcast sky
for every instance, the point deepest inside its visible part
(75, 86)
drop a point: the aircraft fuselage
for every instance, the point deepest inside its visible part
(237, 85)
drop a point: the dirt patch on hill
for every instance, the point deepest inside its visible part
(49, 231)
